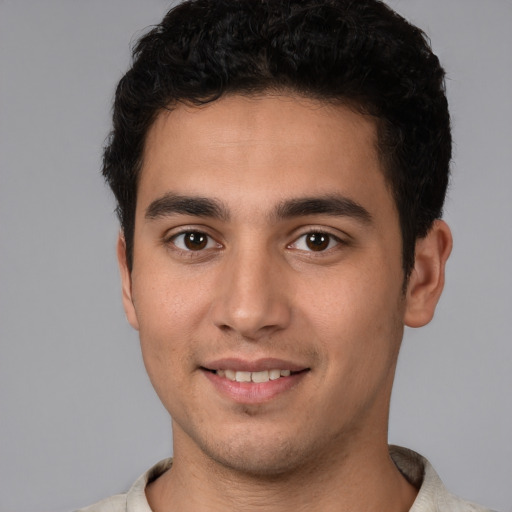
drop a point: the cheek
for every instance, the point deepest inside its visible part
(359, 332)
(165, 315)
(357, 315)
(165, 352)
(166, 302)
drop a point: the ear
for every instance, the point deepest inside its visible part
(426, 281)
(126, 282)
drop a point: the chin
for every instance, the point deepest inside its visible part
(258, 463)
(268, 457)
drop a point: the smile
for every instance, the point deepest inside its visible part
(253, 382)
(257, 377)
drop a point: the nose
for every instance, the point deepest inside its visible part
(252, 299)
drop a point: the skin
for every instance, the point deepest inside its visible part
(258, 290)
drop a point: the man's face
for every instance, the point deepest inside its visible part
(267, 248)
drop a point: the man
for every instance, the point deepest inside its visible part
(280, 169)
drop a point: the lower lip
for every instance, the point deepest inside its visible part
(252, 392)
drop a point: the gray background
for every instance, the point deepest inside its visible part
(78, 418)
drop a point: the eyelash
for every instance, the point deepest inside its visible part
(333, 242)
(173, 238)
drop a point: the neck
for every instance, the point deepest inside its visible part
(362, 478)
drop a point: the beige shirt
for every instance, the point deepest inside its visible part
(432, 495)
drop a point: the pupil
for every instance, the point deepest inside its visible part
(195, 241)
(317, 241)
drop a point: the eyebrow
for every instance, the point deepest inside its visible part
(197, 206)
(333, 205)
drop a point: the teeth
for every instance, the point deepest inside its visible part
(274, 374)
(243, 376)
(257, 377)
(260, 376)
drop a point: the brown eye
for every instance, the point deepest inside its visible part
(317, 241)
(193, 241)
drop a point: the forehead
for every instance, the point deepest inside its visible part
(255, 149)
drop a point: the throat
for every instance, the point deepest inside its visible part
(213, 487)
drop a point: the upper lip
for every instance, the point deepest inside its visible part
(257, 365)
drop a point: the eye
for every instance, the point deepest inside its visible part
(193, 241)
(316, 241)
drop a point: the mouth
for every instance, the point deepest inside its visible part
(253, 382)
(256, 377)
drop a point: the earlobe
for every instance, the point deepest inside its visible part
(126, 283)
(427, 278)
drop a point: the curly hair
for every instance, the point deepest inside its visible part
(358, 52)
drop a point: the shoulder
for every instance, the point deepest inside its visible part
(451, 503)
(135, 499)
(432, 495)
(115, 503)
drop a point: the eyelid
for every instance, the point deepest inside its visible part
(171, 235)
(337, 238)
